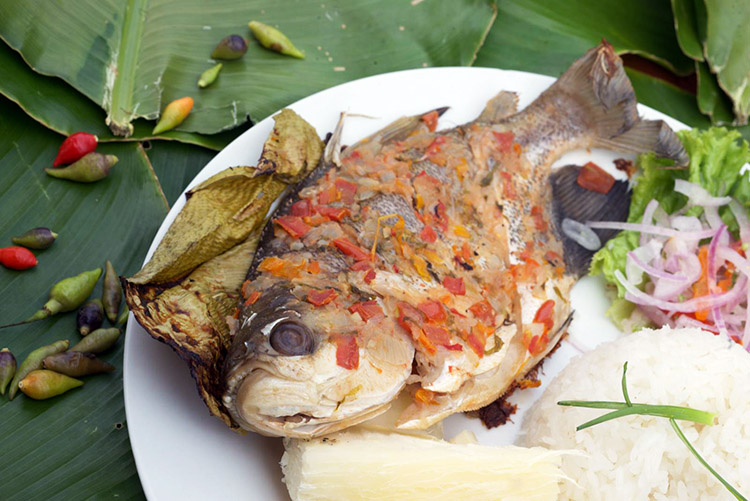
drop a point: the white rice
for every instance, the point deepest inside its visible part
(641, 457)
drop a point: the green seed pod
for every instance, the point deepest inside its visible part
(111, 292)
(38, 238)
(76, 364)
(34, 361)
(90, 317)
(98, 341)
(271, 38)
(123, 315)
(209, 76)
(41, 384)
(92, 167)
(7, 368)
(231, 47)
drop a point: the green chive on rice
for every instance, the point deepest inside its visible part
(640, 457)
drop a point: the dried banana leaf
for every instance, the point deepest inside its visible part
(213, 241)
(223, 210)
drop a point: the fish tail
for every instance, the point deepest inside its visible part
(599, 83)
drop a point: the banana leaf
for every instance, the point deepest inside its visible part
(133, 57)
(74, 446)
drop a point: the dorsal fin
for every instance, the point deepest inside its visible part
(503, 105)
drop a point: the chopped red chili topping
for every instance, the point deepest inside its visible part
(431, 119)
(509, 191)
(347, 352)
(329, 195)
(535, 344)
(293, 225)
(475, 343)
(302, 208)
(369, 276)
(433, 310)
(504, 141)
(350, 249)
(455, 285)
(252, 298)
(428, 234)
(545, 315)
(335, 213)
(483, 312)
(321, 298)
(538, 216)
(409, 318)
(437, 335)
(367, 309)
(361, 266)
(594, 178)
(347, 190)
(453, 347)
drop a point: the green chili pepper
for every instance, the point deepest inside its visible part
(76, 364)
(209, 76)
(37, 238)
(41, 384)
(174, 114)
(111, 292)
(98, 341)
(123, 315)
(90, 317)
(7, 368)
(34, 361)
(230, 47)
(271, 38)
(92, 167)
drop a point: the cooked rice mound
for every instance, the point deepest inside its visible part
(641, 457)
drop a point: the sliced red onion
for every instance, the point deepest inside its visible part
(651, 229)
(635, 295)
(656, 315)
(746, 334)
(635, 262)
(685, 321)
(712, 217)
(654, 272)
(711, 257)
(686, 223)
(648, 217)
(697, 195)
(581, 234)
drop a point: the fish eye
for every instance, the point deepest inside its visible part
(292, 339)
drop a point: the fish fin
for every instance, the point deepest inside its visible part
(598, 82)
(648, 135)
(503, 105)
(332, 151)
(571, 201)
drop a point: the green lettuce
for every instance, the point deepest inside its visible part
(717, 156)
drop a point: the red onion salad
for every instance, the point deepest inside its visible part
(690, 271)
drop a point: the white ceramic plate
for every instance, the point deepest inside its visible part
(184, 453)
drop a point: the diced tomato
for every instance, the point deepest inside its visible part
(347, 352)
(504, 141)
(293, 225)
(281, 267)
(538, 216)
(441, 217)
(302, 208)
(434, 146)
(428, 234)
(409, 318)
(367, 310)
(535, 344)
(455, 285)
(313, 267)
(594, 178)
(335, 213)
(329, 195)
(437, 335)
(321, 298)
(370, 276)
(475, 343)
(246, 288)
(483, 312)
(433, 310)
(425, 342)
(361, 266)
(272, 264)
(546, 315)
(509, 191)
(344, 245)
(431, 119)
(347, 190)
(252, 298)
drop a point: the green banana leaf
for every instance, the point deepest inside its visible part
(61, 108)
(686, 27)
(73, 446)
(134, 57)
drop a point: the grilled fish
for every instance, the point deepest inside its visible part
(429, 261)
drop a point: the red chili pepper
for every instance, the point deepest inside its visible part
(303, 208)
(293, 225)
(431, 119)
(433, 311)
(483, 312)
(17, 258)
(348, 248)
(367, 309)
(455, 285)
(594, 178)
(347, 190)
(321, 298)
(75, 147)
(335, 213)
(504, 141)
(428, 234)
(347, 352)
(545, 315)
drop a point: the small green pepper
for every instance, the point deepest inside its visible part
(111, 292)
(37, 238)
(76, 364)
(98, 341)
(41, 384)
(209, 76)
(34, 361)
(7, 368)
(92, 167)
(90, 317)
(271, 38)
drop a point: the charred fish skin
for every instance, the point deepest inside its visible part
(425, 258)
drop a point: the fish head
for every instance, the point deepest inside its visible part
(300, 370)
